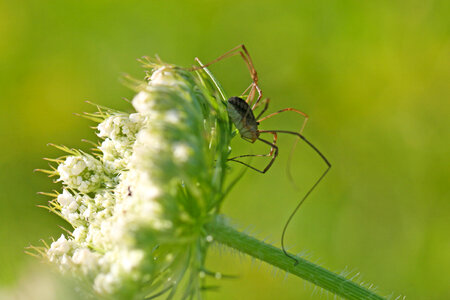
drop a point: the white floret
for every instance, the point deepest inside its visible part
(128, 191)
(61, 246)
(181, 152)
(172, 116)
(83, 173)
(120, 126)
(86, 259)
(79, 233)
(66, 198)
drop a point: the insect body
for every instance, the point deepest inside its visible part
(243, 118)
(241, 113)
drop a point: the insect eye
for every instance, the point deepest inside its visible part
(257, 123)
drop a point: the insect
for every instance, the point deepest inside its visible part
(241, 113)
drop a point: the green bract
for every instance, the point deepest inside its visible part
(139, 205)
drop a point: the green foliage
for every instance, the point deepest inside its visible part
(373, 76)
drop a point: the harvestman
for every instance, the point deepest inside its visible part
(241, 114)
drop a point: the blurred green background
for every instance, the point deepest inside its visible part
(374, 77)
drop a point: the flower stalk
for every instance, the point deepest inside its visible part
(332, 282)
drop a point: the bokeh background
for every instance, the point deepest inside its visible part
(373, 75)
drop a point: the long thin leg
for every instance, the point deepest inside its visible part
(213, 79)
(266, 106)
(245, 55)
(273, 153)
(309, 191)
(291, 153)
(243, 52)
(288, 109)
(258, 89)
(275, 137)
(245, 91)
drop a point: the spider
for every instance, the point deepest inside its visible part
(241, 113)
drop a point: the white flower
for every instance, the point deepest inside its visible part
(181, 152)
(134, 207)
(66, 198)
(116, 127)
(172, 116)
(86, 260)
(83, 173)
(61, 246)
(79, 233)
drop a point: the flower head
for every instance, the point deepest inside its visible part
(137, 207)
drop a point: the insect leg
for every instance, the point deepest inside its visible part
(284, 110)
(245, 91)
(243, 52)
(254, 76)
(288, 168)
(275, 137)
(309, 191)
(266, 106)
(213, 79)
(238, 50)
(273, 152)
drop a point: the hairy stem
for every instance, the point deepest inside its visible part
(334, 283)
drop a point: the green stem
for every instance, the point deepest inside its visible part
(225, 234)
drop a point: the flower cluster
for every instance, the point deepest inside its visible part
(138, 205)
